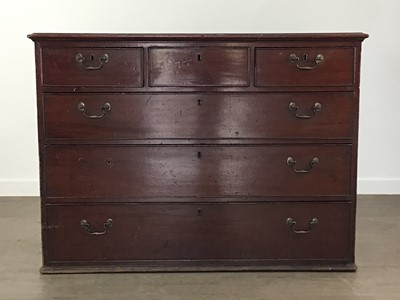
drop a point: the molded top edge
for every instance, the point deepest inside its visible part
(196, 37)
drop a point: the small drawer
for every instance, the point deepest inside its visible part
(92, 67)
(86, 171)
(198, 67)
(129, 232)
(304, 67)
(199, 116)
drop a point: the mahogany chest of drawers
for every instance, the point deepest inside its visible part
(198, 152)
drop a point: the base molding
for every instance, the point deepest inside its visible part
(17, 187)
(347, 267)
(379, 185)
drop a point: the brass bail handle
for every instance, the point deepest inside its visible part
(314, 109)
(292, 223)
(86, 226)
(290, 161)
(80, 58)
(106, 107)
(300, 62)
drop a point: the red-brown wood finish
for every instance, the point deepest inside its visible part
(197, 232)
(274, 67)
(198, 171)
(201, 116)
(124, 67)
(227, 66)
(183, 141)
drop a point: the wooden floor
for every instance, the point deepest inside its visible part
(377, 256)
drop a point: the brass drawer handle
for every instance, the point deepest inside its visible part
(80, 58)
(106, 107)
(290, 161)
(86, 226)
(291, 223)
(294, 107)
(295, 59)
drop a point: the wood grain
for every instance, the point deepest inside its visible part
(198, 66)
(274, 68)
(197, 232)
(200, 116)
(190, 161)
(124, 67)
(199, 171)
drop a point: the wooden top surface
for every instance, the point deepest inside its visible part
(197, 37)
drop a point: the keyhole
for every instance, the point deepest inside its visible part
(199, 154)
(199, 102)
(91, 57)
(109, 162)
(82, 161)
(199, 211)
(198, 57)
(305, 57)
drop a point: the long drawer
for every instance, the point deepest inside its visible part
(120, 232)
(86, 171)
(200, 116)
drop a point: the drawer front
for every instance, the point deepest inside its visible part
(304, 67)
(92, 67)
(191, 116)
(197, 171)
(198, 66)
(197, 231)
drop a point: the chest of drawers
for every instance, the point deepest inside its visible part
(197, 152)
